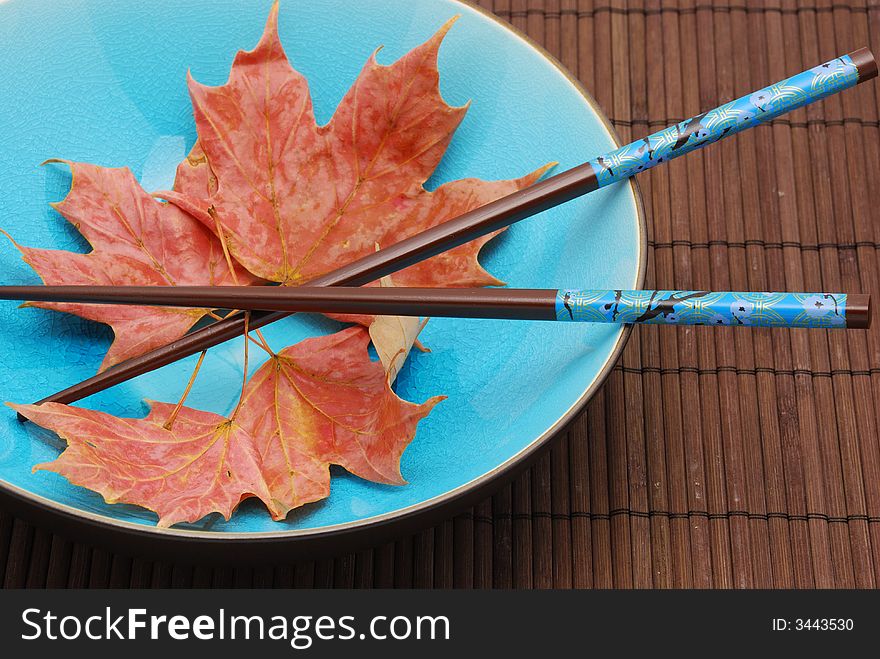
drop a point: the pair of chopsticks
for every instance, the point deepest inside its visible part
(619, 165)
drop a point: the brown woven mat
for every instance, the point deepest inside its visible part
(712, 457)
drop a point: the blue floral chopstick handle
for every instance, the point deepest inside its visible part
(696, 132)
(706, 308)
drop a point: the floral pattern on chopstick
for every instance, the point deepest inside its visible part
(763, 105)
(703, 308)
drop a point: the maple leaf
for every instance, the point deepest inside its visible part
(321, 402)
(135, 240)
(205, 463)
(296, 200)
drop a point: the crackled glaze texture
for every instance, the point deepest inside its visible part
(703, 308)
(696, 132)
(106, 83)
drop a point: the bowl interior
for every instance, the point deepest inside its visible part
(100, 82)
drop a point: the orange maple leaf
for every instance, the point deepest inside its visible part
(136, 241)
(296, 200)
(320, 402)
(205, 463)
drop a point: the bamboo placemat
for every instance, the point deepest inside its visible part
(711, 457)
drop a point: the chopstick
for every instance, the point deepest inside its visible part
(828, 310)
(799, 90)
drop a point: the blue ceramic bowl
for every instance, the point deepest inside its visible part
(104, 82)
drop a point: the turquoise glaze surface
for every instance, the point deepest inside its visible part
(703, 308)
(104, 82)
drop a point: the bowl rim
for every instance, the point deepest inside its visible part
(208, 545)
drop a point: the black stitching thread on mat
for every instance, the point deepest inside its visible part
(681, 11)
(678, 370)
(626, 512)
(780, 121)
(754, 242)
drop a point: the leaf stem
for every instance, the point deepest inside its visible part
(265, 344)
(192, 378)
(222, 236)
(247, 320)
(261, 345)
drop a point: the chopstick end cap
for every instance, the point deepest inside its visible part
(858, 311)
(865, 63)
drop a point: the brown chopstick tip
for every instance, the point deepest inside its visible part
(865, 63)
(858, 311)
